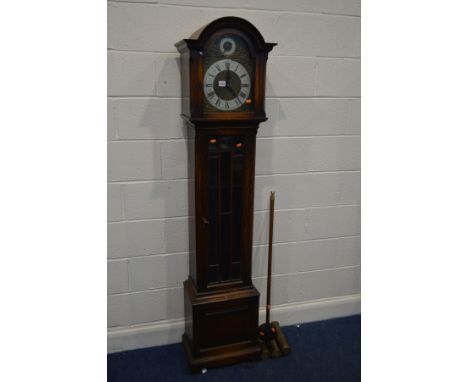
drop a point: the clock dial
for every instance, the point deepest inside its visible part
(226, 85)
(228, 74)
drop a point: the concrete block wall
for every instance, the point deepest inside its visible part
(308, 152)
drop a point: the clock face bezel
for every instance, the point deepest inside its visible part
(217, 76)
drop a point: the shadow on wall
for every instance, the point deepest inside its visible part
(265, 155)
(165, 299)
(175, 168)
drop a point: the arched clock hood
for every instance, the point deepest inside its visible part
(193, 52)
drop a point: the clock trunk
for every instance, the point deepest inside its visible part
(224, 185)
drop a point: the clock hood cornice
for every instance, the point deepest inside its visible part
(198, 39)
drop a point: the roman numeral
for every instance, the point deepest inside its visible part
(236, 68)
(211, 94)
(242, 94)
(238, 101)
(242, 76)
(210, 75)
(227, 65)
(226, 105)
(245, 85)
(210, 85)
(218, 67)
(218, 102)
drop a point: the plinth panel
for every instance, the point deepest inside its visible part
(220, 327)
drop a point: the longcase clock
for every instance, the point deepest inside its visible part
(223, 69)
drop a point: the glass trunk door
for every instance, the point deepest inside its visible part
(225, 210)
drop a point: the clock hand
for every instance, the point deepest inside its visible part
(228, 85)
(231, 90)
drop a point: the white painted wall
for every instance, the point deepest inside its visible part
(308, 151)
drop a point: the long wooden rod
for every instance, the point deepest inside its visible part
(270, 254)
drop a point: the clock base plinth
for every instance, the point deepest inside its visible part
(220, 356)
(220, 326)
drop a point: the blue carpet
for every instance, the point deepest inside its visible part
(321, 351)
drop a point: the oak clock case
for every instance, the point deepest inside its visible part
(223, 69)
